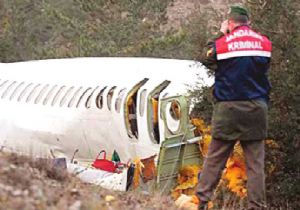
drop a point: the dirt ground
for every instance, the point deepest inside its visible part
(179, 11)
(27, 184)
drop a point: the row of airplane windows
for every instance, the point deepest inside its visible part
(62, 95)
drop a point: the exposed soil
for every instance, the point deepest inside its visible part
(33, 184)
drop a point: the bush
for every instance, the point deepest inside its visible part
(280, 21)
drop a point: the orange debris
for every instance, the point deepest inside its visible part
(187, 180)
(137, 172)
(149, 170)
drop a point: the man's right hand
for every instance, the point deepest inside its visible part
(224, 27)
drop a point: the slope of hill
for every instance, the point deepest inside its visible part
(27, 184)
(76, 28)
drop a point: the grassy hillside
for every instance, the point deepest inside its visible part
(74, 28)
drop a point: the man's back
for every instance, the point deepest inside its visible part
(242, 78)
(243, 59)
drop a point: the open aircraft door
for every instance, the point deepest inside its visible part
(180, 147)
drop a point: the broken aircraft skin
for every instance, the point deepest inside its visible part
(136, 106)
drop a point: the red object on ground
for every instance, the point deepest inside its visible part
(104, 164)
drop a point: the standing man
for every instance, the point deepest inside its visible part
(241, 58)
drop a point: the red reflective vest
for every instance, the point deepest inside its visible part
(241, 42)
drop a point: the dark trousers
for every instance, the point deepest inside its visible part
(218, 153)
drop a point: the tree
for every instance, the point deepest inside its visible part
(280, 20)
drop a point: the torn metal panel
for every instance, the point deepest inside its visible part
(180, 147)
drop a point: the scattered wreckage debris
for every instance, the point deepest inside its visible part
(187, 181)
(109, 174)
(115, 175)
(112, 174)
(183, 190)
(31, 184)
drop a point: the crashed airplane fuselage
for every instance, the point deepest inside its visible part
(54, 107)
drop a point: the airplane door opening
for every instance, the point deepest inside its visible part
(153, 107)
(130, 110)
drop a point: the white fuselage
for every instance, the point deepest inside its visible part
(54, 106)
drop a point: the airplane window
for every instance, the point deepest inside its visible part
(23, 93)
(16, 91)
(110, 95)
(66, 96)
(99, 99)
(8, 89)
(173, 117)
(32, 93)
(50, 94)
(57, 95)
(42, 92)
(119, 100)
(76, 94)
(88, 102)
(84, 94)
(3, 85)
(175, 110)
(142, 102)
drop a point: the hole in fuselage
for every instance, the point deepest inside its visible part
(153, 98)
(154, 118)
(131, 110)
